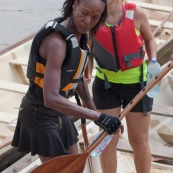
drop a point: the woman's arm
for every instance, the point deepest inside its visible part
(84, 94)
(53, 49)
(142, 25)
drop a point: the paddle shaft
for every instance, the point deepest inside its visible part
(86, 142)
(84, 133)
(134, 101)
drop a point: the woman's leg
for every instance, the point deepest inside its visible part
(138, 125)
(72, 150)
(45, 159)
(108, 158)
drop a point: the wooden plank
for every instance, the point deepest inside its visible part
(21, 163)
(162, 110)
(152, 6)
(6, 141)
(167, 25)
(12, 125)
(7, 117)
(6, 150)
(164, 51)
(19, 61)
(15, 87)
(162, 23)
(156, 151)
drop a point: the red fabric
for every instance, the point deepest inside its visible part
(127, 40)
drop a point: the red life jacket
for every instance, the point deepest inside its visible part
(118, 47)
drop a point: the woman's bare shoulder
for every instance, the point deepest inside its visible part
(140, 13)
(51, 43)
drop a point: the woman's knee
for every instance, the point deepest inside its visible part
(139, 143)
(73, 149)
(45, 159)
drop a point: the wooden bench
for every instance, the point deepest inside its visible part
(159, 41)
(20, 164)
(151, 6)
(10, 156)
(12, 125)
(19, 61)
(17, 64)
(155, 23)
(156, 151)
(162, 110)
(6, 117)
(14, 87)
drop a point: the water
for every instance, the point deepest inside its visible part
(153, 71)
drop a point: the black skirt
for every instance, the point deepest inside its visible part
(46, 135)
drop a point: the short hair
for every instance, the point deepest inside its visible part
(67, 11)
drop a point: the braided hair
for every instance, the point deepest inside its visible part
(67, 12)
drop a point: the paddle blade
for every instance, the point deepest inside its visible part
(63, 164)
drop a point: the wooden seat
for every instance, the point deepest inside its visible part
(12, 125)
(7, 117)
(17, 64)
(155, 23)
(11, 159)
(156, 151)
(162, 110)
(19, 61)
(159, 41)
(12, 86)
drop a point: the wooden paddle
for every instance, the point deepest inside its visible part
(86, 142)
(76, 163)
(84, 133)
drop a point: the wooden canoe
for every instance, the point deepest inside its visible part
(14, 84)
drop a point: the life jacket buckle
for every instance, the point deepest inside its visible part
(127, 61)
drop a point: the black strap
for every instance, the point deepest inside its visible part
(115, 46)
(106, 82)
(75, 80)
(129, 57)
(83, 121)
(144, 99)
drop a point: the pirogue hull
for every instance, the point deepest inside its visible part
(13, 85)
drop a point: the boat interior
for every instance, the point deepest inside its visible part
(14, 84)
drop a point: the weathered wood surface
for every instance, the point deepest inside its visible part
(156, 151)
(14, 87)
(162, 110)
(155, 7)
(19, 61)
(21, 163)
(164, 51)
(7, 117)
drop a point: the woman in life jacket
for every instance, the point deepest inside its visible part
(58, 56)
(119, 48)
